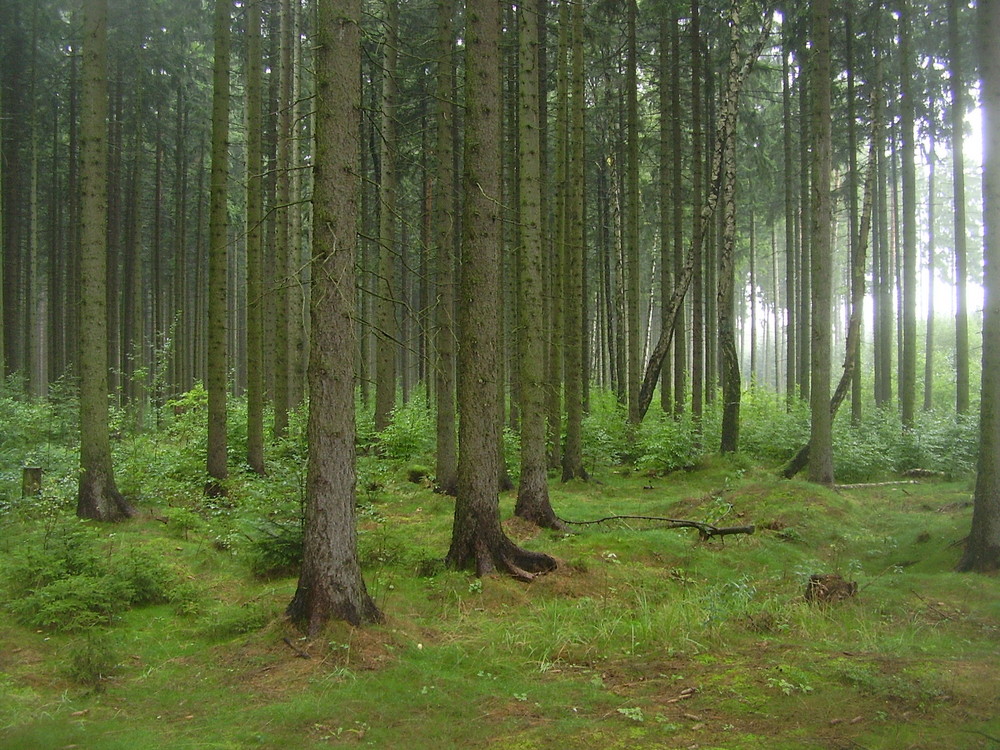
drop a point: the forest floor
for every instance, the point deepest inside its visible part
(645, 636)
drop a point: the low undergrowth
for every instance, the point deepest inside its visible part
(165, 632)
(168, 630)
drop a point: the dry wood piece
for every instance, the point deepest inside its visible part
(705, 530)
(829, 588)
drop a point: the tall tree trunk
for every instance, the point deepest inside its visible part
(820, 82)
(852, 204)
(676, 147)
(572, 457)
(852, 347)
(478, 541)
(698, 225)
(731, 385)
(386, 334)
(883, 310)
(633, 325)
(218, 256)
(666, 262)
(956, 117)
(982, 550)
(791, 280)
(931, 267)
(97, 496)
(908, 270)
(255, 242)
(446, 456)
(555, 274)
(533, 489)
(804, 297)
(330, 584)
(727, 123)
(283, 260)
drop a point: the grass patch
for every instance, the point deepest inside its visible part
(644, 636)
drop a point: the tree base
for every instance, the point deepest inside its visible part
(502, 557)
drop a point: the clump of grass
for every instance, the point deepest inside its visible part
(91, 660)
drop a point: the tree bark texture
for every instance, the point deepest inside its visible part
(446, 456)
(821, 431)
(982, 550)
(533, 489)
(330, 584)
(478, 541)
(386, 332)
(218, 258)
(98, 496)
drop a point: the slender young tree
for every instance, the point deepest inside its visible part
(982, 549)
(478, 541)
(820, 80)
(330, 584)
(98, 496)
(533, 489)
(215, 382)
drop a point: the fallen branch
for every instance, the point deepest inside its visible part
(868, 485)
(298, 652)
(705, 530)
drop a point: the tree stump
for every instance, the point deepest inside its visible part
(829, 588)
(31, 481)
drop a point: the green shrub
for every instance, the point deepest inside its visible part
(65, 578)
(91, 660)
(411, 433)
(274, 549)
(605, 438)
(74, 603)
(665, 444)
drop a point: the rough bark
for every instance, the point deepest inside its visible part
(790, 276)
(255, 245)
(908, 270)
(478, 541)
(533, 489)
(956, 118)
(330, 584)
(572, 454)
(676, 147)
(858, 261)
(215, 382)
(982, 550)
(633, 325)
(446, 456)
(731, 385)
(98, 496)
(386, 332)
(821, 249)
(282, 213)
